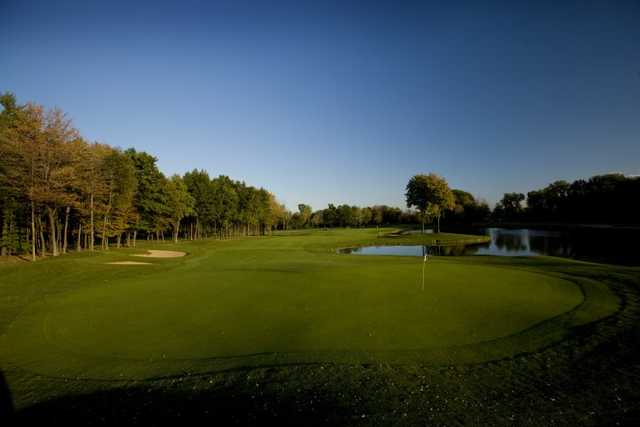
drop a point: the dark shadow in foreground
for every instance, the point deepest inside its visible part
(6, 402)
(140, 406)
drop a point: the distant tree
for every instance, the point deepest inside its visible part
(377, 213)
(37, 144)
(203, 193)
(431, 195)
(330, 216)
(467, 210)
(180, 203)
(11, 194)
(510, 207)
(225, 205)
(366, 215)
(274, 212)
(304, 215)
(89, 185)
(150, 197)
(317, 219)
(356, 216)
(118, 177)
(344, 215)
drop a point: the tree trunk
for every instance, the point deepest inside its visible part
(33, 231)
(52, 231)
(79, 242)
(438, 224)
(105, 241)
(105, 238)
(66, 228)
(43, 244)
(91, 230)
(135, 235)
(59, 235)
(176, 230)
(118, 241)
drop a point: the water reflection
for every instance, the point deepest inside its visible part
(505, 242)
(607, 245)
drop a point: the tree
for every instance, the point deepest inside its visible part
(274, 212)
(304, 215)
(202, 191)
(37, 144)
(180, 203)
(225, 204)
(510, 207)
(118, 176)
(431, 195)
(345, 215)
(10, 194)
(366, 215)
(150, 197)
(468, 210)
(377, 213)
(90, 184)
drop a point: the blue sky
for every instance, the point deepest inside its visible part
(342, 101)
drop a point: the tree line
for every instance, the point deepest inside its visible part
(601, 199)
(350, 216)
(428, 197)
(60, 192)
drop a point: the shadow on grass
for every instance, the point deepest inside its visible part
(6, 402)
(141, 406)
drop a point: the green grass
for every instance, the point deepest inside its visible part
(284, 300)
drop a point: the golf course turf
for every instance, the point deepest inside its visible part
(289, 307)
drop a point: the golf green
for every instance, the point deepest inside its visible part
(280, 299)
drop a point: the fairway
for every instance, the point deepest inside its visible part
(282, 299)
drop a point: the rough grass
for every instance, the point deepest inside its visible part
(291, 311)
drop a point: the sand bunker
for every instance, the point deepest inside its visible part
(129, 263)
(162, 254)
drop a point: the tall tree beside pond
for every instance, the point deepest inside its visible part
(431, 195)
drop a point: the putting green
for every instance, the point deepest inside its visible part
(271, 300)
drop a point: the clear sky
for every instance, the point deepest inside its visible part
(342, 101)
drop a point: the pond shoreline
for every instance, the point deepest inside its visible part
(600, 245)
(554, 226)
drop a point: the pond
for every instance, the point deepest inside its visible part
(603, 245)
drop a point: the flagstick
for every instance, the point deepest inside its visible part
(424, 261)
